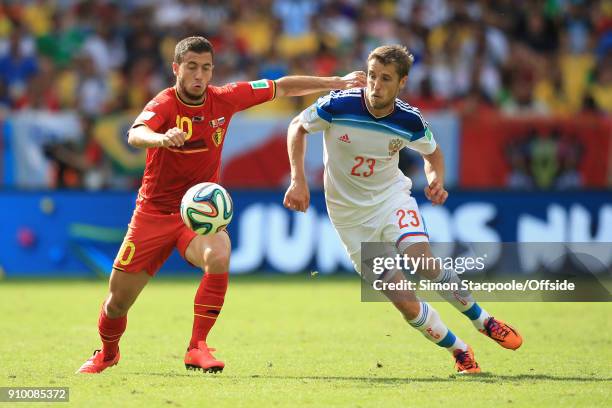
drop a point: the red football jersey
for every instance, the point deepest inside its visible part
(171, 171)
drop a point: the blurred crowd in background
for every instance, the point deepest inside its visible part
(548, 57)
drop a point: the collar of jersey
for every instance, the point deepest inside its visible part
(189, 104)
(365, 106)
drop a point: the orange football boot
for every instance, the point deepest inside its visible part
(504, 334)
(200, 358)
(465, 362)
(96, 363)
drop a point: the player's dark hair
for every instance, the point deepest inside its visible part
(198, 45)
(394, 54)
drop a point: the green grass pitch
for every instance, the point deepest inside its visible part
(299, 341)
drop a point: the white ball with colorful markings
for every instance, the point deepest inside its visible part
(207, 208)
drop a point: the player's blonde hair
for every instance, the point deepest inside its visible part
(196, 44)
(394, 54)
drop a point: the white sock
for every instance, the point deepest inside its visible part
(433, 328)
(462, 300)
(477, 315)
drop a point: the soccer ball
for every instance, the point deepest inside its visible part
(207, 208)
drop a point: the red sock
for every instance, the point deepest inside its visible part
(207, 305)
(110, 332)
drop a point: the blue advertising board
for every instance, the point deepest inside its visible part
(68, 233)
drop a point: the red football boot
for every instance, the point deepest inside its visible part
(200, 358)
(96, 363)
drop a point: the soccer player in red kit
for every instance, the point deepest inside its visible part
(183, 129)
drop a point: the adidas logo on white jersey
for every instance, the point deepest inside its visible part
(344, 138)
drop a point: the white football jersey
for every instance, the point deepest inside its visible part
(361, 151)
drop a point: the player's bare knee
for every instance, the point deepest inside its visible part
(429, 273)
(216, 259)
(117, 307)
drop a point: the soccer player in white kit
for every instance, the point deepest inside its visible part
(368, 198)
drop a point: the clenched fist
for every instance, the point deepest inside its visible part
(436, 193)
(297, 197)
(174, 137)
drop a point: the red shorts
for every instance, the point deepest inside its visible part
(150, 240)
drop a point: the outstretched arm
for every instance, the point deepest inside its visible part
(296, 85)
(142, 136)
(434, 171)
(297, 197)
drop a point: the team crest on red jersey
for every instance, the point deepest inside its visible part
(217, 136)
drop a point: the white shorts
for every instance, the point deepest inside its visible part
(398, 221)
